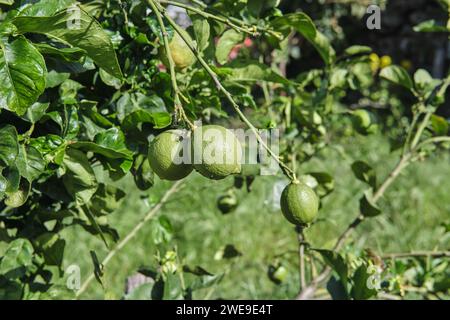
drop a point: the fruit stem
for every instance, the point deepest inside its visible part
(286, 170)
(173, 77)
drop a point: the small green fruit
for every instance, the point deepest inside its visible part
(299, 203)
(181, 53)
(166, 156)
(216, 152)
(277, 274)
(227, 203)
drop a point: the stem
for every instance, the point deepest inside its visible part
(410, 132)
(422, 127)
(208, 15)
(173, 77)
(130, 235)
(232, 22)
(301, 254)
(431, 140)
(286, 170)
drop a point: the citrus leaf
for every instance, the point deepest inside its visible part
(365, 173)
(303, 24)
(76, 28)
(251, 71)
(9, 146)
(30, 163)
(22, 75)
(79, 179)
(360, 290)
(397, 75)
(226, 43)
(337, 263)
(367, 207)
(17, 259)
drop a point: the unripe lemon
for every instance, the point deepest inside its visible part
(181, 54)
(216, 152)
(299, 203)
(166, 155)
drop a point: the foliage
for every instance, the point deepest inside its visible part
(87, 85)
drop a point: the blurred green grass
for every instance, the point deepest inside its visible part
(413, 208)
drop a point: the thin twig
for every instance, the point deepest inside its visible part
(131, 234)
(173, 77)
(301, 255)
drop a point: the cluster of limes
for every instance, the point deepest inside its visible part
(299, 203)
(173, 155)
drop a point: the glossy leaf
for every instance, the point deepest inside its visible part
(22, 75)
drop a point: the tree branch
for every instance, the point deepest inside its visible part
(130, 235)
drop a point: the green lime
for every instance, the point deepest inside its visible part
(181, 53)
(166, 155)
(216, 151)
(299, 203)
(278, 273)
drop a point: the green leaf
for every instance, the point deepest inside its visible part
(258, 7)
(18, 198)
(365, 173)
(30, 162)
(79, 179)
(142, 173)
(52, 247)
(44, 8)
(106, 200)
(109, 143)
(439, 125)
(367, 207)
(397, 75)
(7, 2)
(226, 43)
(360, 289)
(252, 71)
(357, 50)
(303, 24)
(17, 259)
(201, 31)
(22, 75)
(36, 112)
(159, 120)
(325, 183)
(66, 54)
(337, 263)
(9, 146)
(74, 27)
(430, 26)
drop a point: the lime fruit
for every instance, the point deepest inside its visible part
(216, 151)
(181, 53)
(299, 203)
(166, 155)
(277, 274)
